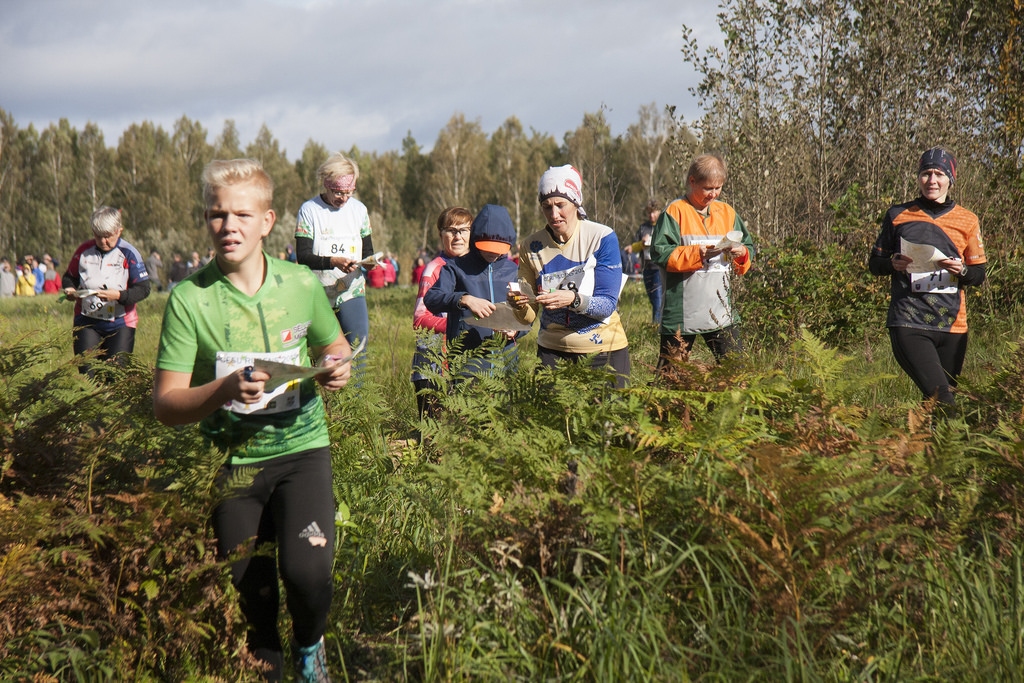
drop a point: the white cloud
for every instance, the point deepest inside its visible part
(340, 72)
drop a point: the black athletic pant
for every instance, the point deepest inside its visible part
(290, 502)
(121, 340)
(720, 342)
(932, 358)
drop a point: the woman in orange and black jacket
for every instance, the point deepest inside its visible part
(927, 317)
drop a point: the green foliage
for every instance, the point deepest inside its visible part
(790, 513)
(827, 290)
(101, 573)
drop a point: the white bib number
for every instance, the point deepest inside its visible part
(338, 247)
(935, 282)
(95, 307)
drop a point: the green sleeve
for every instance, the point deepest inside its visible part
(664, 239)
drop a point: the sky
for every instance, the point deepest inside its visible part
(346, 73)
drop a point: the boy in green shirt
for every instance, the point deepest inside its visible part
(221, 327)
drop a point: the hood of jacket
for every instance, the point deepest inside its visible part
(492, 224)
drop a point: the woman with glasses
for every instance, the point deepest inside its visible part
(453, 227)
(332, 235)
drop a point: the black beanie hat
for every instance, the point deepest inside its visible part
(940, 159)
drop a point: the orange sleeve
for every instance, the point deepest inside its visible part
(742, 264)
(684, 259)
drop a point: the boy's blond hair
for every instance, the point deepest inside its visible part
(105, 221)
(223, 173)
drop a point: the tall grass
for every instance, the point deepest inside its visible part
(793, 514)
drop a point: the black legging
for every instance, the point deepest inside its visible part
(290, 502)
(616, 361)
(932, 358)
(121, 340)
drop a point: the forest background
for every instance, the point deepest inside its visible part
(820, 109)
(795, 515)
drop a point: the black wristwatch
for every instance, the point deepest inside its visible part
(575, 300)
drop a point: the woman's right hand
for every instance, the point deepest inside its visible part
(346, 265)
(900, 262)
(517, 300)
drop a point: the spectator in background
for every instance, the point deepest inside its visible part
(37, 272)
(51, 285)
(453, 226)
(50, 273)
(289, 253)
(417, 271)
(697, 271)
(390, 274)
(194, 263)
(114, 274)
(8, 279)
(375, 277)
(154, 266)
(206, 259)
(649, 269)
(26, 282)
(394, 266)
(177, 272)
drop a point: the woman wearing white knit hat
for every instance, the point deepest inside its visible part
(575, 268)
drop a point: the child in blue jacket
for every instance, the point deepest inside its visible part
(469, 286)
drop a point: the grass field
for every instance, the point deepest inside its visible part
(794, 514)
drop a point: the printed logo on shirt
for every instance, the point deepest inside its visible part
(596, 339)
(290, 336)
(313, 534)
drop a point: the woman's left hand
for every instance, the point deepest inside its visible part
(108, 294)
(560, 298)
(953, 265)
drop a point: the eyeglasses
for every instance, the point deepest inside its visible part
(455, 232)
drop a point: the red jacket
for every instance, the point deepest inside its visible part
(375, 277)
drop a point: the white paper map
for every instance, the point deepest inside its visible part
(923, 257)
(282, 373)
(733, 238)
(503, 318)
(371, 261)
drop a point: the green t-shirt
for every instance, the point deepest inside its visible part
(210, 329)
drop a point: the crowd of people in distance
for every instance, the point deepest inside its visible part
(30, 276)
(236, 314)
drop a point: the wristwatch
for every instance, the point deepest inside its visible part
(571, 286)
